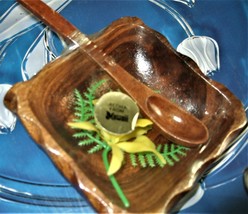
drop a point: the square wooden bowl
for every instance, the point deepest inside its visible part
(45, 106)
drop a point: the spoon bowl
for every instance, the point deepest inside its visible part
(185, 128)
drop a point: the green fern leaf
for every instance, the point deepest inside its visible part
(86, 142)
(133, 160)
(88, 116)
(80, 135)
(78, 96)
(95, 149)
(89, 95)
(78, 115)
(182, 150)
(150, 160)
(174, 157)
(171, 152)
(165, 150)
(142, 160)
(84, 111)
(79, 106)
(159, 148)
(92, 90)
(158, 161)
(168, 160)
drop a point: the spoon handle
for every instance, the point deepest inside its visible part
(189, 131)
(53, 19)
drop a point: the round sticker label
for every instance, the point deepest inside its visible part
(116, 113)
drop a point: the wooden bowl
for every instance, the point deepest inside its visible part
(45, 106)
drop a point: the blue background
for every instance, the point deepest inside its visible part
(29, 182)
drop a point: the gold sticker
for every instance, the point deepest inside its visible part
(116, 113)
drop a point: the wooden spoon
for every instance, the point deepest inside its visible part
(175, 123)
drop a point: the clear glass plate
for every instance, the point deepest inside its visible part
(29, 182)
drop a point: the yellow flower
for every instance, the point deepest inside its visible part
(139, 144)
(83, 125)
(133, 142)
